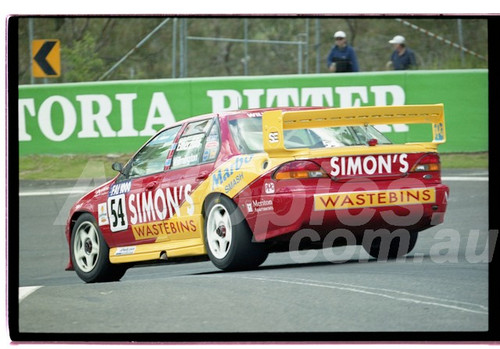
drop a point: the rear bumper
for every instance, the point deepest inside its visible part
(323, 209)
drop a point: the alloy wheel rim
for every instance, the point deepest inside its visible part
(219, 231)
(86, 247)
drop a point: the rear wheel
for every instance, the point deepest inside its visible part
(228, 238)
(90, 253)
(391, 245)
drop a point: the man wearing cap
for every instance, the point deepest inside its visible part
(342, 57)
(402, 58)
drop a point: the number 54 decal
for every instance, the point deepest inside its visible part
(117, 213)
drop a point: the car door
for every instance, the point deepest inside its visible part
(191, 163)
(131, 200)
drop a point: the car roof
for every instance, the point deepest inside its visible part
(262, 110)
(236, 113)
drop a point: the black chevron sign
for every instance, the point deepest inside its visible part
(46, 59)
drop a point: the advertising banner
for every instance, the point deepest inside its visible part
(119, 116)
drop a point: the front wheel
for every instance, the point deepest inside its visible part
(90, 253)
(228, 238)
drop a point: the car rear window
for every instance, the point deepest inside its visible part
(247, 135)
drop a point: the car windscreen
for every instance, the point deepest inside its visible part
(247, 135)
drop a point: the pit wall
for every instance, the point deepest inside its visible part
(119, 116)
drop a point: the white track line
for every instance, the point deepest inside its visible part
(385, 293)
(465, 179)
(62, 191)
(26, 291)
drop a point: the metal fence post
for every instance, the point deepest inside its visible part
(245, 58)
(174, 47)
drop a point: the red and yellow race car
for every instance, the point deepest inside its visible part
(238, 185)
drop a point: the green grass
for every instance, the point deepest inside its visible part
(43, 167)
(464, 160)
(49, 167)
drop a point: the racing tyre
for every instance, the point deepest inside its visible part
(228, 238)
(90, 253)
(391, 246)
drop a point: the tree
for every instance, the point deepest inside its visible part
(81, 61)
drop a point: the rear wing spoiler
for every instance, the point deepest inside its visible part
(275, 122)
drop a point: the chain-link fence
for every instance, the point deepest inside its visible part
(123, 48)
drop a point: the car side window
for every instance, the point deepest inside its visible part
(212, 144)
(151, 158)
(199, 143)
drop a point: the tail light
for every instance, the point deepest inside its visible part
(428, 162)
(300, 170)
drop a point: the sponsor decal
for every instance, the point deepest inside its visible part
(254, 115)
(233, 183)
(249, 207)
(102, 191)
(190, 142)
(399, 197)
(159, 205)
(369, 165)
(258, 206)
(212, 144)
(117, 213)
(438, 132)
(229, 176)
(213, 137)
(269, 188)
(102, 212)
(165, 228)
(186, 160)
(120, 188)
(209, 155)
(262, 205)
(123, 251)
(188, 150)
(211, 148)
(273, 137)
(148, 206)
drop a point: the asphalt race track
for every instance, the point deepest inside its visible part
(441, 286)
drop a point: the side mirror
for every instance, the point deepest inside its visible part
(117, 167)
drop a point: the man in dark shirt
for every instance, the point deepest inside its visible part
(402, 58)
(342, 57)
